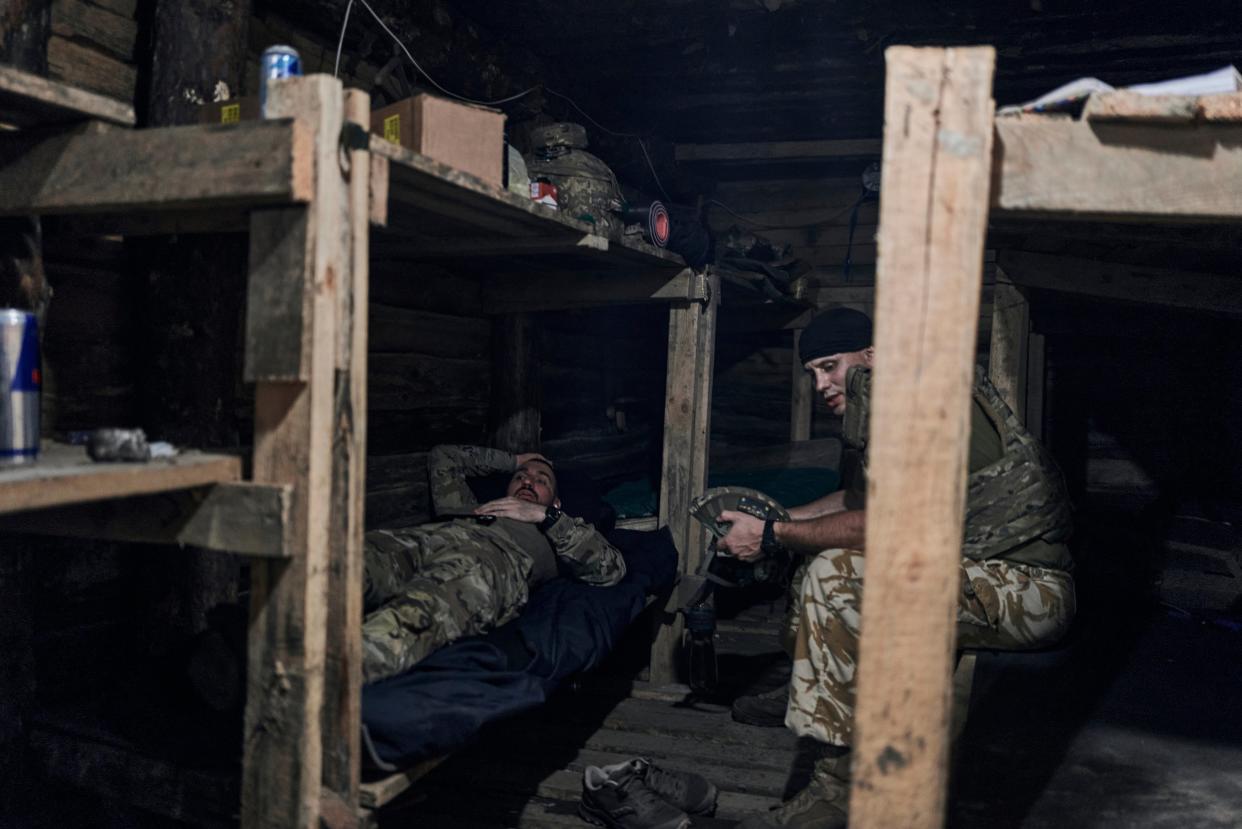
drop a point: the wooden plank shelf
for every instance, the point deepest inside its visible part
(28, 100)
(243, 518)
(436, 213)
(65, 475)
(1121, 171)
(197, 169)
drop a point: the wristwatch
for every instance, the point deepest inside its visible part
(770, 545)
(549, 518)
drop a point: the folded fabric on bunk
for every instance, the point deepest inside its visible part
(566, 628)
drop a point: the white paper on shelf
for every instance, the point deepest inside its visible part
(1225, 79)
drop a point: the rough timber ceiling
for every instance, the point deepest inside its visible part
(753, 70)
(771, 70)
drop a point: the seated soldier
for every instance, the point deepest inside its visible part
(472, 569)
(1016, 588)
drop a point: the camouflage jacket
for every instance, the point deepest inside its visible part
(583, 551)
(1010, 503)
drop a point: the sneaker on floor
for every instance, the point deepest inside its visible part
(819, 806)
(686, 790)
(766, 710)
(624, 801)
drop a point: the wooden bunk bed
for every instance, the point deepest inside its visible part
(948, 165)
(309, 187)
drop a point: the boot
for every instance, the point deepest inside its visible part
(766, 710)
(823, 804)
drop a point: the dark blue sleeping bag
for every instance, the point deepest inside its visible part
(567, 627)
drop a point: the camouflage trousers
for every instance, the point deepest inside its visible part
(427, 586)
(1001, 605)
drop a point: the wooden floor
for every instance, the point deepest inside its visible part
(528, 772)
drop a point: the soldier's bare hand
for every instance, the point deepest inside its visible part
(518, 460)
(745, 537)
(515, 508)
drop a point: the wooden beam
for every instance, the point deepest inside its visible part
(218, 220)
(1123, 105)
(485, 247)
(1117, 171)
(1036, 379)
(801, 396)
(379, 191)
(248, 519)
(687, 430)
(517, 394)
(174, 168)
(378, 792)
(342, 710)
(66, 475)
(282, 763)
(561, 291)
(1011, 329)
(24, 29)
(934, 206)
(29, 100)
(1127, 283)
(778, 150)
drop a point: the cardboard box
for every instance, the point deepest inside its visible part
(467, 137)
(234, 111)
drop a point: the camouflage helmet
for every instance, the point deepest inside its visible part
(707, 507)
(560, 134)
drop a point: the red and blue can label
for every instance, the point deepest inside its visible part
(277, 62)
(21, 381)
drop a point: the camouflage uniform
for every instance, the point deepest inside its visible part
(426, 586)
(586, 187)
(1016, 589)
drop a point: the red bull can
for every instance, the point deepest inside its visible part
(21, 381)
(277, 62)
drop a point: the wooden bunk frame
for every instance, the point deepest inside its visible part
(309, 187)
(947, 163)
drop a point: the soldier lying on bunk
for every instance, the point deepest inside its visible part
(472, 568)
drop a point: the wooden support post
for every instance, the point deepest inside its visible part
(342, 712)
(1011, 329)
(1036, 376)
(517, 393)
(934, 205)
(687, 431)
(282, 763)
(24, 29)
(801, 398)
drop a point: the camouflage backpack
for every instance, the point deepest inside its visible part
(586, 188)
(1017, 499)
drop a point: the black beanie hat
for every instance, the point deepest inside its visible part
(838, 331)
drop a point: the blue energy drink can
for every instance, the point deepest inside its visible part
(277, 62)
(20, 381)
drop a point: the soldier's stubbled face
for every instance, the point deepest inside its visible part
(829, 373)
(533, 481)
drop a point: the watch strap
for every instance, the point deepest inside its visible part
(551, 516)
(769, 544)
